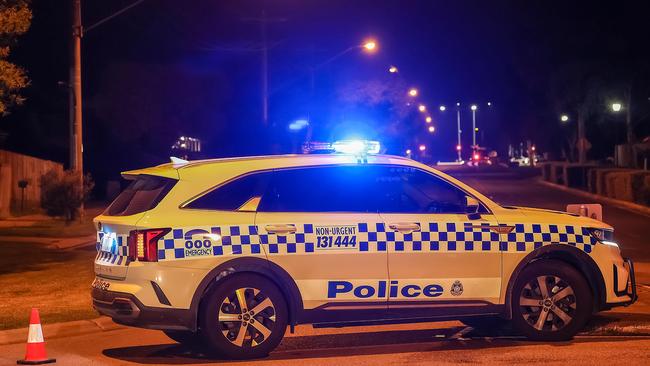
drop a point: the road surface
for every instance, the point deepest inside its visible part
(617, 337)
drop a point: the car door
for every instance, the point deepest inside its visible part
(313, 222)
(436, 253)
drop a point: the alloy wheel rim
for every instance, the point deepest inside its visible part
(247, 317)
(548, 303)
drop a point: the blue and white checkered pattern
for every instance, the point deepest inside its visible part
(527, 237)
(118, 252)
(234, 240)
(433, 236)
(375, 237)
(290, 243)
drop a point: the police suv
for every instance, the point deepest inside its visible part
(227, 253)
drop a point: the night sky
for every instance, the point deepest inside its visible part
(169, 68)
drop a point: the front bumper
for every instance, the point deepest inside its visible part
(630, 287)
(126, 309)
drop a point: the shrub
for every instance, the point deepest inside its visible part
(62, 194)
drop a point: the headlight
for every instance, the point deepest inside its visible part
(603, 236)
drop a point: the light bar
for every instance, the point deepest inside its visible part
(356, 147)
(353, 147)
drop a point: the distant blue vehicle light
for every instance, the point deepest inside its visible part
(298, 124)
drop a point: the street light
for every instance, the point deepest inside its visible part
(392, 69)
(370, 45)
(422, 108)
(413, 92)
(428, 119)
(442, 108)
(489, 104)
(408, 151)
(432, 129)
(473, 107)
(564, 118)
(616, 107)
(422, 148)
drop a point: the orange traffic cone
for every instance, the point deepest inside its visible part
(35, 354)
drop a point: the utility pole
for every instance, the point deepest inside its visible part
(583, 144)
(473, 127)
(74, 88)
(76, 137)
(459, 146)
(264, 48)
(628, 115)
(265, 71)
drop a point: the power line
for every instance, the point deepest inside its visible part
(102, 21)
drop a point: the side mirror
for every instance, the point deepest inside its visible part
(471, 207)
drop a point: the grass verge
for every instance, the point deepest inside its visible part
(56, 227)
(56, 282)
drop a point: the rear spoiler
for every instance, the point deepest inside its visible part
(169, 170)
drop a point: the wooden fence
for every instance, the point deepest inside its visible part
(16, 168)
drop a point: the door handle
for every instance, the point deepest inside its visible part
(405, 228)
(281, 229)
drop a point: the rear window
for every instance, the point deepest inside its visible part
(141, 195)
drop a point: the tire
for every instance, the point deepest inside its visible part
(262, 330)
(561, 312)
(186, 338)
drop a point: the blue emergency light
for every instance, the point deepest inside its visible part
(352, 147)
(356, 147)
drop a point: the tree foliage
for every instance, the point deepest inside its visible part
(15, 19)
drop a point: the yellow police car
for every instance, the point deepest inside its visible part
(227, 253)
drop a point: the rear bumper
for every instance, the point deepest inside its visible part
(126, 309)
(630, 287)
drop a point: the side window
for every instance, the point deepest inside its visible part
(232, 195)
(319, 189)
(408, 190)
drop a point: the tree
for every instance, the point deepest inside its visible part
(384, 101)
(576, 88)
(15, 19)
(62, 193)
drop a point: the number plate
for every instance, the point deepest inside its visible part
(109, 240)
(100, 284)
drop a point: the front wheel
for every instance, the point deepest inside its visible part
(245, 316)
(551, 301)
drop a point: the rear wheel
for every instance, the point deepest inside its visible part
(245, 316)
(551, 301)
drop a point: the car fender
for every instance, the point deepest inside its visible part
(250, 265)
(566, 253)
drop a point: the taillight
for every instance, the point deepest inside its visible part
(143, 244)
